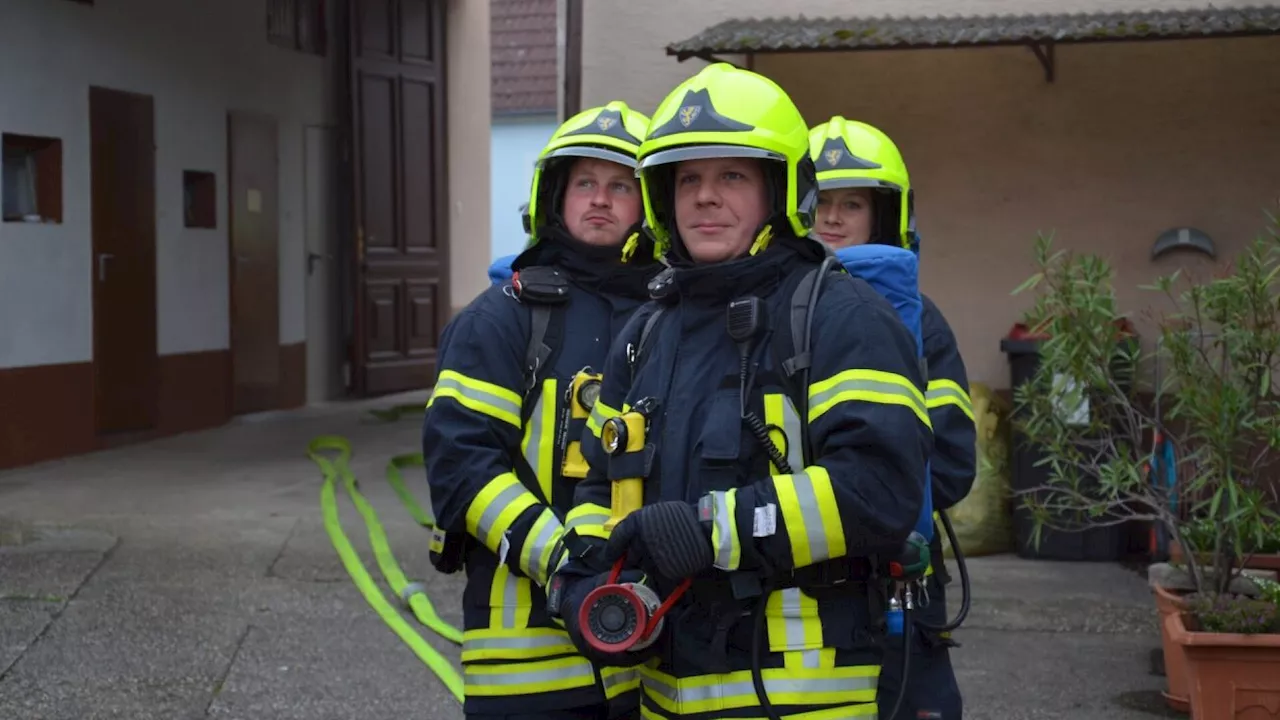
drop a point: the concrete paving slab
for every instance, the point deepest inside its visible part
(21, 622)
(322, 653)
(133, 648)
(1054, 676)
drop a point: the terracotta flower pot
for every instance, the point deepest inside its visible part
(1232, 676)
(1175, 663)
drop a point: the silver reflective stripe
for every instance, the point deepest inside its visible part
(529, 677)
(533, 449)
(724, 531)
(772, 685)
(811, 659)
(524, 642)
(792, 622)
(813, 527)
(490, 516)
(510, 599)
(586, 519)
(480, 396)
(621, 677)
(939, 393)
(537, 546)
(876, 386)
(791, 426)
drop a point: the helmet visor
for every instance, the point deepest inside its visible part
(704, 152)
(588, 151)
(857, 182)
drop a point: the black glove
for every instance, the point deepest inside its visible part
(665, 538)
(573, 594)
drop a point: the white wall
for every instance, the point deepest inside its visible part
(514, 146)
(198, 60)
(468, 118)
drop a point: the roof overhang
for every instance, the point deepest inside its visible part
(750, 36)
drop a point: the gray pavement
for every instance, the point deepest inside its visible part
(192, 577)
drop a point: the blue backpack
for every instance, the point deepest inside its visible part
(894, 272)
(500, 270)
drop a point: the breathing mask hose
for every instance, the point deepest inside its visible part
(964, 579)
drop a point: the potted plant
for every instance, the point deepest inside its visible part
(1088, 405)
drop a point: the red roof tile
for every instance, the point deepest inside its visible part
(522, 36)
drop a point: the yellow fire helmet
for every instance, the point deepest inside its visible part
(724, 111)
(847, 154)
(611, 132)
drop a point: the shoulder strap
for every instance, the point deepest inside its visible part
(546, 291)
(637, 350)
(800, 317)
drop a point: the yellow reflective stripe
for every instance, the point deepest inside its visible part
(783, 420)
(948, 392)
(599, 413)
(792, 617)
(484, 397)
(496, 506)
(812, 659)
(507, 644)
(619, 680)
(535, 554)
(808, 505)
(785, 686)
(588, 519)
(724, 529)
(874, 386)
(510, 600)
(539, 438)
(518, 679)
(844, 712)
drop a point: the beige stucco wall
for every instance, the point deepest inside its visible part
(1130, 140)
(467, 90)
(623, 43)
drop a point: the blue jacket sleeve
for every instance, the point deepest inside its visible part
(954, 459)
(471, 438)
(870, 433)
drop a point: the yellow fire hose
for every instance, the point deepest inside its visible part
(414, 594)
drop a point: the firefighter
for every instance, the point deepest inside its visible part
(499, 436)
(865, 196)
(733, 504)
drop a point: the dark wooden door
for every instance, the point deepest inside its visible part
(398, 151)
(255, 292)
(123, 198)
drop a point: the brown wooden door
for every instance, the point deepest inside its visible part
(255, 291)
(401, 249)
(123, 197)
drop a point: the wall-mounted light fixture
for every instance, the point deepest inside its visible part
(1183, 239)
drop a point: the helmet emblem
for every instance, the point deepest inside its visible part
(604, 122)
(688, 113)
(833, 156)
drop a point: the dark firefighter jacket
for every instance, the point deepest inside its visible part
(870, 431)
(950, 409)
(501, 469)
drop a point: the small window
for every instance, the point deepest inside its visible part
(199, 199)
(32, 180)
(297, 25)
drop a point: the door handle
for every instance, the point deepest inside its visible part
(102, 265)
(312, 257)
